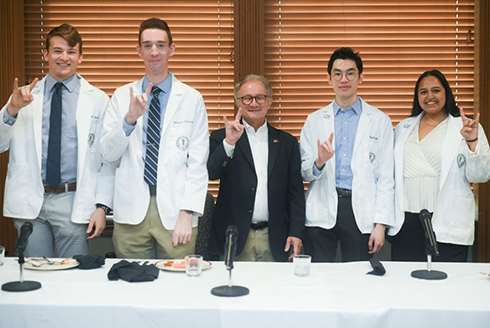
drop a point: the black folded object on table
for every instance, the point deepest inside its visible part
(89, 261)
(133, 271)
(378, 268)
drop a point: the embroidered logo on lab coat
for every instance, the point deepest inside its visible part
(183, 143)
(327, 116)
(372, 157)
(461, 160)
(91, 139)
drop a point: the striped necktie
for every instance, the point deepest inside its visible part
(153, 138)
(53, 174)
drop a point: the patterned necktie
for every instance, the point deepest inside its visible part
(153, 138)
(53, 174)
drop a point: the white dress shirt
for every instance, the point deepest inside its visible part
(259, 144)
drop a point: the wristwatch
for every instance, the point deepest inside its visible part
(189, 212)
(105, 208)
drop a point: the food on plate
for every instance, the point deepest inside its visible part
(65, 261)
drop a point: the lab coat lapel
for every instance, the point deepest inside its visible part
(450, 148)
(37, 113)
(328, 125)
(174, 100)
(363, 127)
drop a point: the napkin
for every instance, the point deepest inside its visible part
(89, 261)
(133, 271)
(378, 268)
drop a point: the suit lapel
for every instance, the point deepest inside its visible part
(243, 145)
(274, 145)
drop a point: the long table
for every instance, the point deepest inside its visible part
(334, 295)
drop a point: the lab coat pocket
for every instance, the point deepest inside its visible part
(123, 193)
(17, 186)
(462, 214)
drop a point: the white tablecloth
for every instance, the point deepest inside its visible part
(334, 295)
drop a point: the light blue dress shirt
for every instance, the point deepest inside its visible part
(69, 139)
(346, 123)
(166, 87)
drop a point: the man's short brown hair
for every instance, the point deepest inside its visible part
(67, 32)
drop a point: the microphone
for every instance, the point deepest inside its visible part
(20, 246)
(430, 237)
(229, 290)
(430, 248)
(230, 246)
(25, 232)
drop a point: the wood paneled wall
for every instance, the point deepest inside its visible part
(248, 59)
(11, 66)
(482, 105)
(249, 38)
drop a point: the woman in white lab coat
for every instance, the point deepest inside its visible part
(438, 153)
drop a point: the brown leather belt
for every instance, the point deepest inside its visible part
(345, 193)
(61, 188)
(259, 225)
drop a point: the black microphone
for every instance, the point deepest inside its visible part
(230, 246)
(25, 232)
(430, 237)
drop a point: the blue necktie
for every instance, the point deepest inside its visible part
(53, 174)
(153, 138)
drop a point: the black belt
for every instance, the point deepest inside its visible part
(345, 193)
(153, 190)
(259, 225)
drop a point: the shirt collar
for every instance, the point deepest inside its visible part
(70, 83)
(165, 85)
(260, 130)
(357, 107)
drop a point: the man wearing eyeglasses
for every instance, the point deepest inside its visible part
(261, 190)
(347, 156)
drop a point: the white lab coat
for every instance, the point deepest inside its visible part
(454, 215)
(372, 170)
(24, 190)
(184, 148)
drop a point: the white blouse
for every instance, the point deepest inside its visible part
(422, 169)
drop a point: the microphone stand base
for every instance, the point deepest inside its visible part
(429, 275)
(230, 291)
(21, 286)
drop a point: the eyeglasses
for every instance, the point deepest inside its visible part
(247, 100)
(349, 75)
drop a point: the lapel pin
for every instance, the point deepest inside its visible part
(275, 141)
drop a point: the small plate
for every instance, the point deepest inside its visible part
(178, 265)
(50, 264)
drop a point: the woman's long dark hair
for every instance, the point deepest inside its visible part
(450, 106)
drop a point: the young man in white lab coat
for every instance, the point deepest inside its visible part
(347, 156)
(55, 179)
(157, 130)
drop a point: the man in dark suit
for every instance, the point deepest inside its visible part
(261, 189)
